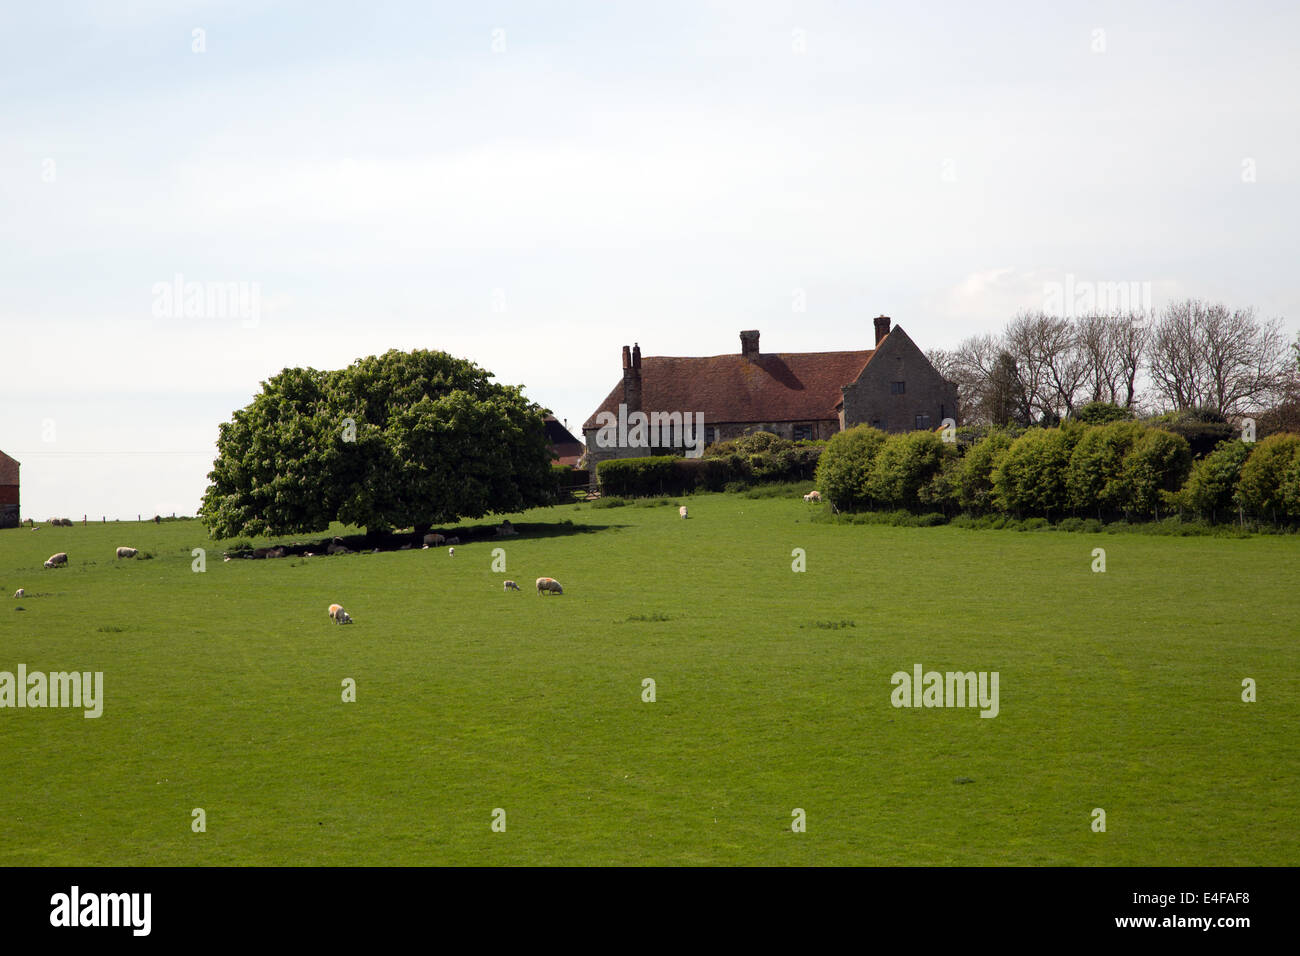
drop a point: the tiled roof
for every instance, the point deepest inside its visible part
(778, 387)
(562, 442)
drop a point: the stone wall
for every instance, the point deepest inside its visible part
(873, 400)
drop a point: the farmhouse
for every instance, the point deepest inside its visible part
(8, 492)
(797, 395)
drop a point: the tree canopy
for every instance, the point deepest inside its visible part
(405, 438)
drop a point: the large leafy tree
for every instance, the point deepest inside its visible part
(405, 438)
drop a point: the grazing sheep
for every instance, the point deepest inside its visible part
(434, 539)
(21, 593)
(682, 511)
(451, 552)
(127, 552)
(277, 552)
(545, 585)
(813, 496)
(511, 586)
(338, 615)
(337, 548)
(453, 540)
(56, 560)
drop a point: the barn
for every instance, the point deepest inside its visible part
(566, 449)
(8, 491)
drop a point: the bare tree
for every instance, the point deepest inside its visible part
(971, 366)
(1111, 348)
(1204, 355)
(1049, 361)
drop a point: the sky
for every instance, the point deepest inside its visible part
(533, 186)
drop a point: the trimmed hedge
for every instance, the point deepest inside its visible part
(661, 475)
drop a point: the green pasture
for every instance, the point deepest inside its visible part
(223, 691)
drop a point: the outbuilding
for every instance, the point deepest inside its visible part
(8, 491)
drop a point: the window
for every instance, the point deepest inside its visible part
(803, 433)
(711, 435)
(896, 388)
(923, 421)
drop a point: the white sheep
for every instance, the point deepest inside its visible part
(20, 593)
(545, 585)
(127, 552)
(56, 560)
(451, 552)
(338, 615)
(682, 511)
(813, 496)
(511, 586)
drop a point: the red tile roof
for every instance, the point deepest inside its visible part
(778, 387)
(562, 443)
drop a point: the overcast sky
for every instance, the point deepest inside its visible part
(531, 186)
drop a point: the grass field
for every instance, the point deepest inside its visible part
(222, 691)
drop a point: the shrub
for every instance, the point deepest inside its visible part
(975, 475)
(636, 476)
(1095, 477)
(1263, 486)
(1102, 413)
(1212, 485)
(1154, 469)
(763, 456)
(902, 466)
(1203, 429)
(1031, 476)
(845, 467)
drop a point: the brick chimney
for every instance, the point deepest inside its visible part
(882, 327)
(749, 345)
(632, 378)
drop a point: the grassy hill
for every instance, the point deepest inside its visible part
(222, 691)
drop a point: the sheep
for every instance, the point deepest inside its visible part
(434, 539)
(453, 541)
(511, 586)
(57, 560)
(338, 615)
(506, 529)
(20, 593)
(336, 548)
(127, 552)
(813, 496)
(548, 584)
(682, 511)
(451, 552)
